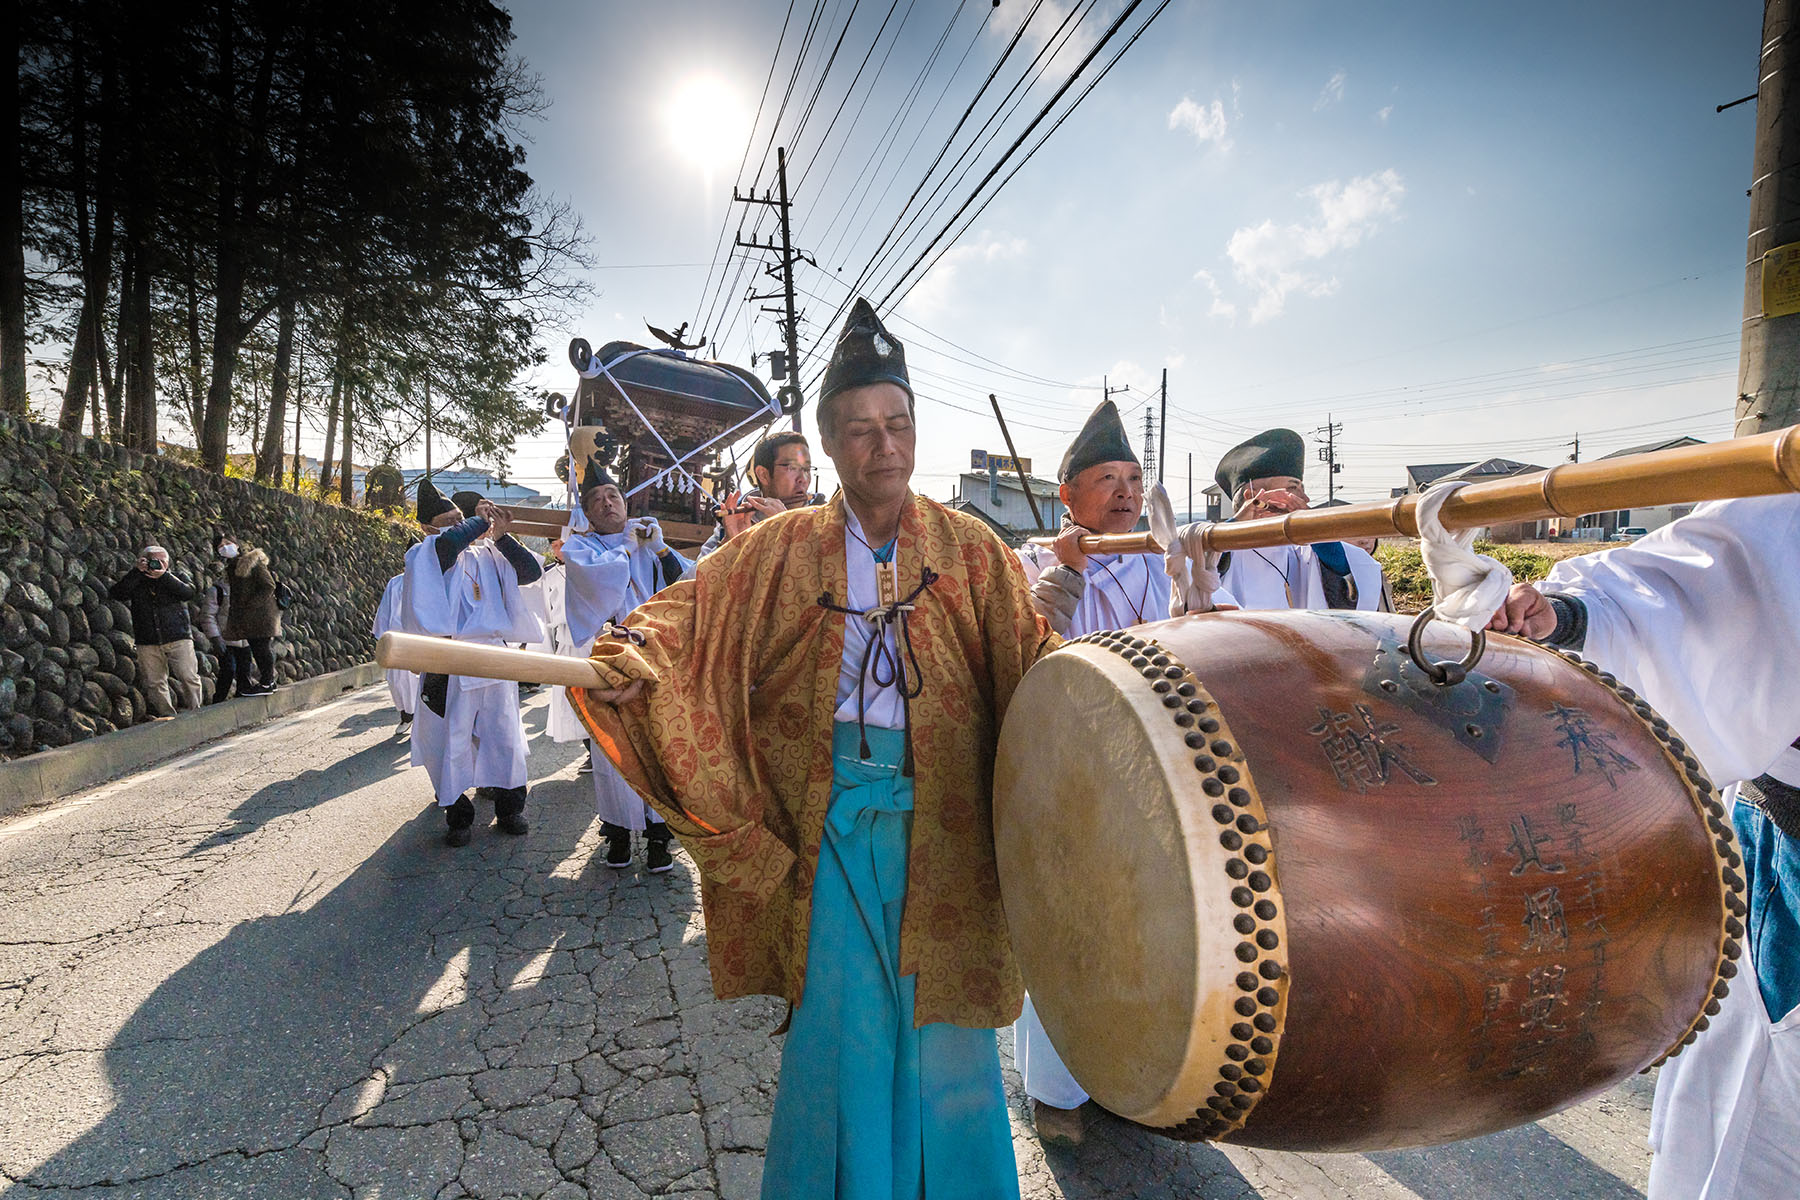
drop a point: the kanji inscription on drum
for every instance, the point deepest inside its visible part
(1525, 845)
(1362, 751)
(1590, 747)
(1547, 927)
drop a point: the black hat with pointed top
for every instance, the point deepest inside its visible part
(594, 475)
(1271, 452)
(1101, 440)
(865, 353)
(432, 504)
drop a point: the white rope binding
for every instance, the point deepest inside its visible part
(1467, 588)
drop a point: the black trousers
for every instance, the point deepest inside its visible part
(258, 649)
(224, 670)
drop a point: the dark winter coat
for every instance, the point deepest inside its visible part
(159, 607)
(253, 611)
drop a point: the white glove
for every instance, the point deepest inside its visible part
(1193, 573)
(646, 531)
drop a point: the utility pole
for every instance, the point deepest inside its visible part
(1328, 456)
(1190, 504)
(1575, 457)
(789, 368)
(1163, 421)
(1769, 355)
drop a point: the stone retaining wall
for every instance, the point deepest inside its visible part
(74, 513)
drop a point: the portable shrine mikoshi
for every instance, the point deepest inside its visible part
(658, 419)
(1300, 882)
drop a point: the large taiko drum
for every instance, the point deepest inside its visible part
(1270, 883)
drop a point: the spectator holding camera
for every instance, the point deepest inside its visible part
(158, 600)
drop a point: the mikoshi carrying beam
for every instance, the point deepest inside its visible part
(536, 522)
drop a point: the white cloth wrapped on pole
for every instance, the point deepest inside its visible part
(1467, 588)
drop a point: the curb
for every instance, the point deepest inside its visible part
(65, 770)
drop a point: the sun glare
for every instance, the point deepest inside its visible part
(707, 123)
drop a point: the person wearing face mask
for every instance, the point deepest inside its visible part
(253, 619)
(216, 615)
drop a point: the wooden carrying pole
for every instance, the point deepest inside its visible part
(1141, 542)
(1763, 465)
(536, 522)
(441, 656)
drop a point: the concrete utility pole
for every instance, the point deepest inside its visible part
(1575, 457)
(1328, 455)
(784, 270)
(1163, 421)
(1769, 361)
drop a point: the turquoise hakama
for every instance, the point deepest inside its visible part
(869, 1107)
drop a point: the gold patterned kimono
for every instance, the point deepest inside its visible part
(732, 744)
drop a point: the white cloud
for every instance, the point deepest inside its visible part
(1383, 114)
(1332, 92)
(1205, 121)
(1221, 307)
(933, 292)
(1275, 261)
(1045, 25)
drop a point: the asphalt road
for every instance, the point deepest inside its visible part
(257, 972)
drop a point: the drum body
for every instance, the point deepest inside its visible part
(1270, 884)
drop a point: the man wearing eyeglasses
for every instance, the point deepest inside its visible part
(158, 599)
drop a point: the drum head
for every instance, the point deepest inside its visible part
(1178, 943)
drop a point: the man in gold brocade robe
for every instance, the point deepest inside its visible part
(815, 713)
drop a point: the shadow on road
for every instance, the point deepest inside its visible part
(243, 1050)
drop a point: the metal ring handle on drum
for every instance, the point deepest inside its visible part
(1444, 674)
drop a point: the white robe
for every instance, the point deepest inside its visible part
(1122, 590)
(403, 686)
(1276, 577)
(562, 724)
(1700, 618)
(480, 740)
(605, 576)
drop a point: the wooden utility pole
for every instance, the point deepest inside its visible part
(791, 397)
(1769, 360)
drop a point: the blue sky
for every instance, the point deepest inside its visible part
(1459, 230)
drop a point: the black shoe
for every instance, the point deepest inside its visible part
(459, 818)
(255, 691)
(405, 725)
(512, 823)
(618, 846)
(586, 767)
(657, 858)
